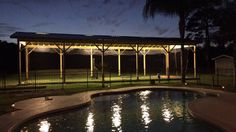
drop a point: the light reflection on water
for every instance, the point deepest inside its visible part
(116, 115)
(144, 94)
(167, 108)
(139, 111)
(44, 126)
(145, 108)
(167, 113)
(177, 109)
(90, 122)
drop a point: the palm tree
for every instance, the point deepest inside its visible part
(180, 8)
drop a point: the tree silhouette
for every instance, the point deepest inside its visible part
(202, 23)
(180, 8)
(227, 28)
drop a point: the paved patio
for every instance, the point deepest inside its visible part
(220, 111)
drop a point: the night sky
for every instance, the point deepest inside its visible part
(92, 17)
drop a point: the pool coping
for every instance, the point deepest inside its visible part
(36, 107)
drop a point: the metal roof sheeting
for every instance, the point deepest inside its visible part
(103, 39)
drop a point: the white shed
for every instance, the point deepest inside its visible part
(224, 65)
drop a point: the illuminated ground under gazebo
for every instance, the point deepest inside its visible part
(63, 42)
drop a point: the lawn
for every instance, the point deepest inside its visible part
(73, 76)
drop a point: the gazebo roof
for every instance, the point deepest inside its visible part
(102, 39)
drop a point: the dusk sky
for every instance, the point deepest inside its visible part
(92, 17)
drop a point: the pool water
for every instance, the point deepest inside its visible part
(143, 111)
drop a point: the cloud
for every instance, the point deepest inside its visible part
(42, 24)
(112, 30)
(6, 29)
(161, 31)
(134, 3)
(111, 12)
(106, 1)
(20, 4)
(115, 22)
(3, 35)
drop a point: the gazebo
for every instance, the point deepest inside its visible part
(29, 41)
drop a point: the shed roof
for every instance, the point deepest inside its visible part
(222, 56)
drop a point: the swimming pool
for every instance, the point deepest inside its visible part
(141, 111)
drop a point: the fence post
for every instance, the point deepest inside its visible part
(213, 81)
(199, 75)
(102, 82)
(62, 82)
(35, 87)
(4, 80)
(150, 76)
(87, 77)
(217, 76)
(110, 78)
(130, 78)
(1, 78)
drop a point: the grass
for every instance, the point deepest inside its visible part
(72, 75)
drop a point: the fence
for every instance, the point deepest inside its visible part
(8, 80)
(82, 78)
(224, 78)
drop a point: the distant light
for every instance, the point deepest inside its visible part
(42, 49)
(185, 84)
(88, 35)
(13, 105)
(23, 43)
(41, 33)
(179, 46)
(223, 87)
(176, 47)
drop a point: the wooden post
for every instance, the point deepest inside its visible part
(26, 63)
(61, 67)
(137, 76)
(183, 63)
(167, 56)
(103, 80)
(19, 59)
(119, 67)
(144, 63)
(194, 62)
(176, 64)
(91, 62)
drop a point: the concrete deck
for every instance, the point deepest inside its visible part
(220, 111)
